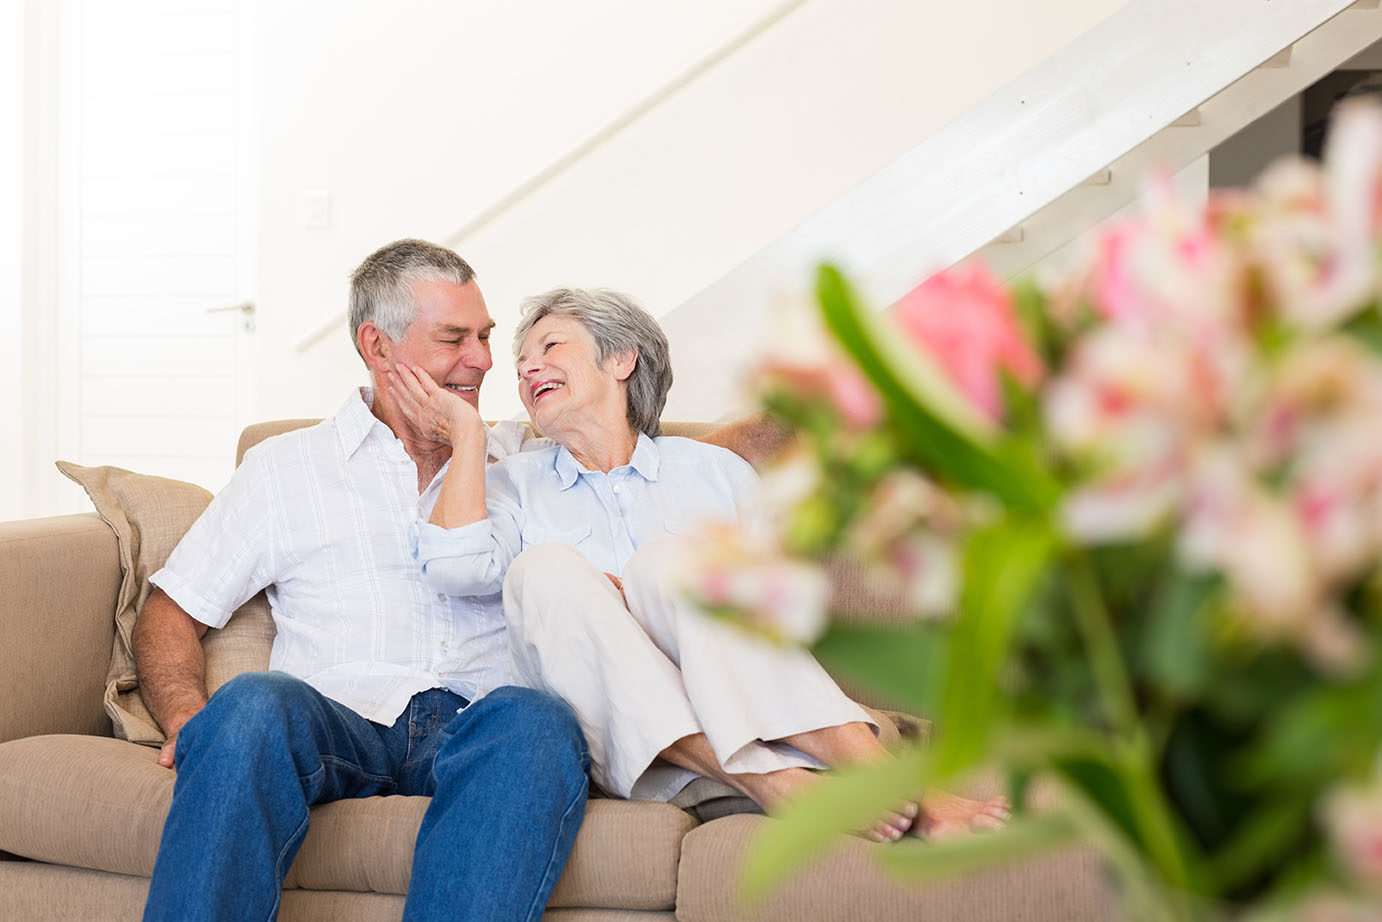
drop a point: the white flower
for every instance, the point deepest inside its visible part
(1236, 527)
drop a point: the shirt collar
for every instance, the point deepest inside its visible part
(645, 462)
(354, 420)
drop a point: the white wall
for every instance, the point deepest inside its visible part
(414, 124)
(1239, 160)
(12, 456)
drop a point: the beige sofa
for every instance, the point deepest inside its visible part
(81, 811)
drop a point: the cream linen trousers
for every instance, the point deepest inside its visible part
(641, 677)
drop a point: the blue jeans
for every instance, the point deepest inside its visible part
(507, 778)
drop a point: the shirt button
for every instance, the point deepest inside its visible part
(616, 489)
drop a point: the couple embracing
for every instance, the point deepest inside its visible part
(474, 614)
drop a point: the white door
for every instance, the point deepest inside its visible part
(155, 235)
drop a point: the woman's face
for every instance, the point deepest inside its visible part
(562, 386)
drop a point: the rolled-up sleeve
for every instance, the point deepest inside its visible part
(472, 559)
(460, 561)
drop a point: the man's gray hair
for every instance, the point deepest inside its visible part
(618, 324)
(381, 289)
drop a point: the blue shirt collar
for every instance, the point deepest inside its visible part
(644, 462)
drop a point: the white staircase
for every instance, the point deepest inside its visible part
(1155, 86)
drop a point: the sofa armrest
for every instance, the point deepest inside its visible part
(58, 582)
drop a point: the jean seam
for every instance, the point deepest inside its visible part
(280, 872)
(552, 862)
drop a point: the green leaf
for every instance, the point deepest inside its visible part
(1144, 894)
(1118, 786)
(1103, 783)
(1366, 327)
(1325, 733)
(901, 664)
(1024, 837)
(1003, 564)
(1175, 653)
(839, 804)
(935, 426)
(1267, 835)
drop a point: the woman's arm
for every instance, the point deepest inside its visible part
(459, 551)
(438, 413)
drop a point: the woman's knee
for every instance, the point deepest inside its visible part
(542, 584)
(539, 566)
(655, 566)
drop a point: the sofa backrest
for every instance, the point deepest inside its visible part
(857, 595)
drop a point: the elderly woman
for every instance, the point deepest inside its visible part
(581, 537)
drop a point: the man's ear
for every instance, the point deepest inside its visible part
(623, 364)
(375, 347)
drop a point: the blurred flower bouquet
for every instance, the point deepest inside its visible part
(1138, 513)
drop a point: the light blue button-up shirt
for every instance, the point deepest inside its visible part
(670, 486)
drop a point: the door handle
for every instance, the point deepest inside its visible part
(246, 309)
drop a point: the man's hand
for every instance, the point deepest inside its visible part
(757, 438)
(170, 748)
(433, 411)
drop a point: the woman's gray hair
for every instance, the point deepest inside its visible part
(618, 324)
(381, 289)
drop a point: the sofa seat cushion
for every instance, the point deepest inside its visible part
(99, 803)
(847, 884)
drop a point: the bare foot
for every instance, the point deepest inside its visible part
(944, 814)
(773, 790)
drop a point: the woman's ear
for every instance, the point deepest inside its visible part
(375, 348)
(623, 363)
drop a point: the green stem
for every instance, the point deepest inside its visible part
(1092, 618)
(1151, 810)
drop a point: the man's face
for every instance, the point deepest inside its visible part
(449, 337)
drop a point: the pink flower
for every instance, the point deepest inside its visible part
(771, 595)
(963, 318)
(1352, 817)
(835, 380)
(1137, 403)
(1171, 265)
(1309, 248)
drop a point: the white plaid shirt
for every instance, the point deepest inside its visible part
(322, 518)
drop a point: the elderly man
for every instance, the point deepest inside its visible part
(379, 686)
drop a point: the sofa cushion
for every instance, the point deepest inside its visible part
(99, 803)
(149, 515)
(848, 884)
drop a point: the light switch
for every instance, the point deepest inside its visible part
(316, 209)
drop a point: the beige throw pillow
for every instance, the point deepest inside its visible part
(149, 516)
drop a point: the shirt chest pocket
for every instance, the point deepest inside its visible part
(539, 533)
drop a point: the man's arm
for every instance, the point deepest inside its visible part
(171, 669)
(757, 438)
